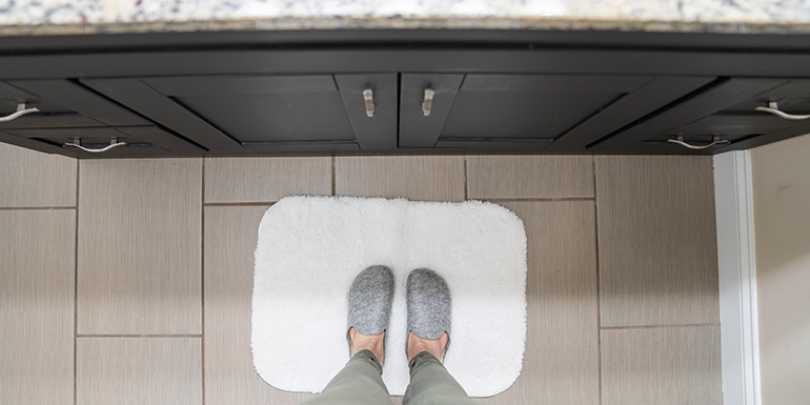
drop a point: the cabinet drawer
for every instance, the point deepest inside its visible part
(727, 129)
(131, 142)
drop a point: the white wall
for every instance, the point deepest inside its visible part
(781, 179)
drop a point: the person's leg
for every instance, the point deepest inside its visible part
(432, 384)
(429, 304)
(430, 381)
(360, 382)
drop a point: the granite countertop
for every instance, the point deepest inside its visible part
(70, 17)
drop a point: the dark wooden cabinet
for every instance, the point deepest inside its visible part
(403, 92)
(391, 112)
(408, 112)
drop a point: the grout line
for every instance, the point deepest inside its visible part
(37, 208)
(93, 336)
(538, 199)
(76, 294)
(598, 285)
(202, 280)
(694, 325)
(242, 204)
(466, 181)
(334, 175)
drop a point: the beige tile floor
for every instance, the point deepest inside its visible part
(129, 281)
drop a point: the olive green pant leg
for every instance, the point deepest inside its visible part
(432, 384)
(360, 382)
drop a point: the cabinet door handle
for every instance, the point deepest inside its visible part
(773, 108)
(21, 110)
(77, 143)
(428, 103)
(715, 141)
(368, 96)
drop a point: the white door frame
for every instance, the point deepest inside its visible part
(733, 190)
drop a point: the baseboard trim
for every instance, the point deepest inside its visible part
(737, 278)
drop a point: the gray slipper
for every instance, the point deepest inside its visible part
(370, 301)
(428, 305)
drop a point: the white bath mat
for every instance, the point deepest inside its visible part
(311, 248)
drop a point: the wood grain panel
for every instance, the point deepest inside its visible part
(134, 371)
(36, 306)
(560, 365)
(231, 180)
(140, 247)
(230, 378)
(663, 366)
(36, 179)
(657, 242)
(428, 178)
(501, 177)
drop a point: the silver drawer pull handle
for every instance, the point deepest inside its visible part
(113, 144)
(428, 103)
(21, 110)
(368, 95)
(773, 108)
(715, 141)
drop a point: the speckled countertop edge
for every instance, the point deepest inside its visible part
(337, 23)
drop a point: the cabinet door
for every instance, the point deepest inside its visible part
(425, 102)
(558, 113)
(721, 118)
(267, 114)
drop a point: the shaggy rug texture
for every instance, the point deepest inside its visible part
(311, 248)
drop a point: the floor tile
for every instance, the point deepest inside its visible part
(233, 180)
(230, 239)
(136, 371)
(657, 240)
(426, 178)
(663, 366)
(560, 365)
(506, 177)
(140, 247)
(35, 179)
(37, 268)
